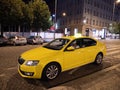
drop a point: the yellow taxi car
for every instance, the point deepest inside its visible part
(60, 55)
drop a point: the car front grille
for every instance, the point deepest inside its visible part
(21, 61)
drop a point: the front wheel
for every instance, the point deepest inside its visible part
(14, 44)
(51, 71)
(99, 59)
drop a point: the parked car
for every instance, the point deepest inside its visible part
(3, 40)
(17, 40)
(35, 40)
(60, 55)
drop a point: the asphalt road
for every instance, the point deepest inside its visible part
(88, 77)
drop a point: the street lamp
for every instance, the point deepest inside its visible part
(113, 12)
(84, 21)
(64, 14)
(117, 1)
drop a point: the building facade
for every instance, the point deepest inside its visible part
(88, 17)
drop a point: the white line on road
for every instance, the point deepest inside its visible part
(110, 53)
(117, 56)
(112, 49)
(11, 68)
(72, 71)
(1, 75)
(118, 69)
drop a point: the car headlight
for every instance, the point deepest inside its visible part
(32, 62)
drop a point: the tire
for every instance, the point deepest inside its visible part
(51, 71)
(98, 59)
(41, 43)
(14, 44)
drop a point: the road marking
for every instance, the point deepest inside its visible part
(115, 46)
(110, 53)
(11, 68)
(62, 88)
(118, 69)
(2, 75)
(117, 56)
(72, 71)
(109, 68)
(112, 49)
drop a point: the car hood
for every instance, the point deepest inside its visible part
(38, 53)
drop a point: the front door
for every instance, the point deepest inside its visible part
(76, 57)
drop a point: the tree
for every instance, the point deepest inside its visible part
(11, 12)
(41, 15)
(35, 14)
(28, 14)
(117, 28)
(16, 13)
(4, 9)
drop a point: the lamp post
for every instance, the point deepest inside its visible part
(114, 5)
(0, 28)
(55, 18)
(55, 13)
(66, 32)
(113, 12)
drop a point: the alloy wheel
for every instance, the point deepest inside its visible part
(52, 72)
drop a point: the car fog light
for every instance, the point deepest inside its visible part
(28, 73)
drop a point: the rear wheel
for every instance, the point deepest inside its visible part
(14, 44)
(51, 71)
(99, 59)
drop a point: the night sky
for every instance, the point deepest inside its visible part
(51, 4)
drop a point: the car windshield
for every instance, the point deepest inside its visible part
(11, 37)
(31, 37)
(57, 44)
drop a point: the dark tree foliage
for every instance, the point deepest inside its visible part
(34, 14)
(117, 28)
(41, 15)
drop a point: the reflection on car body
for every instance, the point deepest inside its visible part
(60, 55)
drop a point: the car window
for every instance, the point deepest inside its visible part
(12, 37)
(57, 44)
(77, 43)
(89, 42)
(31, 37)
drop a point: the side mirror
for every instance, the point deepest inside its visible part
(71, 48)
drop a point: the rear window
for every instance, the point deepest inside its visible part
(89, 42)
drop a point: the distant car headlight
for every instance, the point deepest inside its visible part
(32, 62)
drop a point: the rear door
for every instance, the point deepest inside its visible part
(90, 46)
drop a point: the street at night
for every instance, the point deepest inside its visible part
(88, 77)
(74, 59)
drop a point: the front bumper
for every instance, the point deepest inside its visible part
(30, 71)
